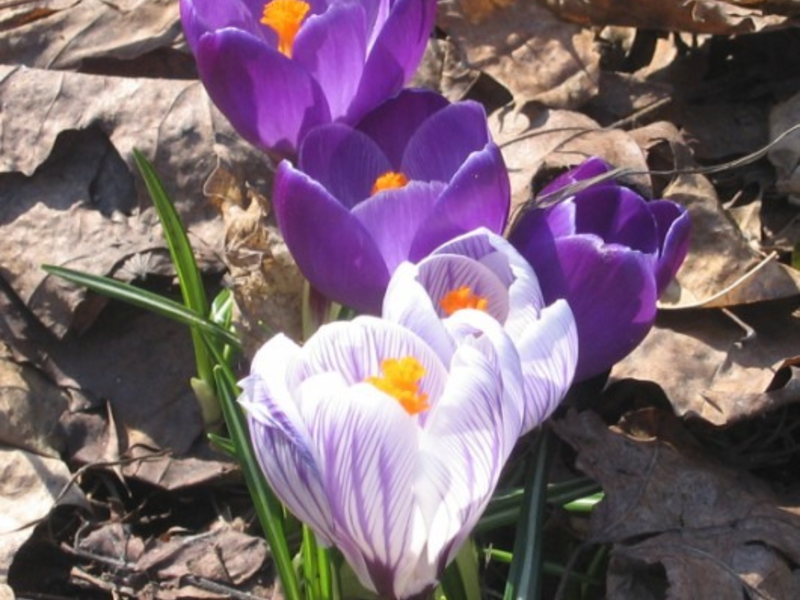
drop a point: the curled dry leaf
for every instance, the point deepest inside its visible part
(69, 196)
(721, 17)
(266, 282)
(721, 367)
(717, 532)
(536, 56)
(785, 155)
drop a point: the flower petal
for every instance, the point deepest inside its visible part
(331, 247)
(281, 440)
(478, 196)
(612, 294)
(393, 218)
(355, 350)
(672, 221)
(407, 303)
(393, 123)
(332, 47)
(548, 351)
(439, 147)
(617, 215)
(394, 55)
(591, 167)
(441, 274)
(202, 16)
(344, 161)
(270, 100)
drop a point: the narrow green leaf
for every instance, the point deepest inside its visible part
(144, 299)
(525, 575)
(268, 507)
(461, 580)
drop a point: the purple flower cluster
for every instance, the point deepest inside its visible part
(387, 434)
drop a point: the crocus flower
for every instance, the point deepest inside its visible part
(277, 69)
(610, 253)
(380, 446)
(416, 172)
(481, 271)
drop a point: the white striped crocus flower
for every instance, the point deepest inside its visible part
(480, 272)
(382, 447)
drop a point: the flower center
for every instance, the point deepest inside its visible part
(389, 181)
(401, 381)
(285, 17)
(462, 298)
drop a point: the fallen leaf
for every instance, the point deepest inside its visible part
(69, 196)
(697, 16)
(716, 531)
(30, 486)
(713, 366)
(537, 57)
(785, 154)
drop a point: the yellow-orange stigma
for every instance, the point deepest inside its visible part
(462, 298)
(400, 380)
(285, 17)
(389, 181)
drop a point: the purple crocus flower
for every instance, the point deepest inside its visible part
(277, 69)
(481, 271)
(610, 253)
(416, 172)
(382, 447)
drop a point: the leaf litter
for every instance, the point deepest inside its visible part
(107, 476)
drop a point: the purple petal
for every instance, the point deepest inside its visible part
(478, 196)
(281, 440)
(393, 123)
(331, 247)
(332, 48)
(203, 16)
(617, 215)
(395, 54)
(445, 273)
(344, 161)
(441, 145)
(548, 351)
(270, 100)
(672, 221)
(394, 216)
(355, 350)
(368, 444)
(407, 303)
(612, 294)
(591, 167)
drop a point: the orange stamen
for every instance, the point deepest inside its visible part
(389, 181)
(400, 380)
(462, 298)
(285, 17)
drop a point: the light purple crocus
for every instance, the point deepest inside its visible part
(610, 253)
(416, 172)
(481, 271)
(382, 447)
(277, 69)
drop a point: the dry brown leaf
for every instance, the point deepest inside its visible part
(555, 139)
(785, 155)
(537, 57)
(30, 408)
(69, 32)
(720, 368)
(715, 530)
(30, 486)
(68, 195)
(721, 269)
(442, 70)
(696, 16)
